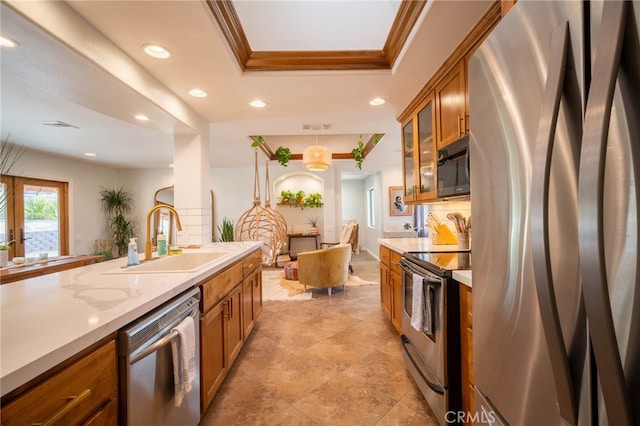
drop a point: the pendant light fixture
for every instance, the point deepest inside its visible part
(316, 157)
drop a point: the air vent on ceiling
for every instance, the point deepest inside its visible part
(316, 127)
(59, 123)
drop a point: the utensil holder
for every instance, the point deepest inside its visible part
(463, 240)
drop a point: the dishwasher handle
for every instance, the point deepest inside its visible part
(155, 346)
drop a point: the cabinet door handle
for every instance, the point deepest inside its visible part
(466, 123)
(459, 126)
(227, 308)
(75, 400)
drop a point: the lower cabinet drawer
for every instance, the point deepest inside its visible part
(85, 392)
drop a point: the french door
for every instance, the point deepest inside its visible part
(33, 216)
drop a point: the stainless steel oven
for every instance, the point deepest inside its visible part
(431, 349)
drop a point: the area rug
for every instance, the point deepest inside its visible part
(276, 287)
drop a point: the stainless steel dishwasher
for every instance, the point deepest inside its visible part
(146, 366)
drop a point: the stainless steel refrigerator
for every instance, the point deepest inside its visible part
(554, 95)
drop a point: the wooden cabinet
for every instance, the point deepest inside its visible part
(251, 291)
(419, 153)
(385, 289)
(231, 302)
(213, 359)
(233, 324)
(391, 286)
(84, 392)
(9, 275)
(396, 291)
(451, 106)
(466, 349)
(440, 112)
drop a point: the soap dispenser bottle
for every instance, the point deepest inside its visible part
(162, 244)
(132, 256)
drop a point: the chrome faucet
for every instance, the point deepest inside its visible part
(172, 212)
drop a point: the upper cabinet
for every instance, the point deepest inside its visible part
(451, 106)
(438, 115)
(419, 153)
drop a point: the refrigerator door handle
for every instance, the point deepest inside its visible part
(552, 95)
(590, 217)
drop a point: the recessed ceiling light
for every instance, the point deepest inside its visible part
(142, 117)
(198, 93)
(156, 51)
(377, 101)
(89, 154)
(258, 104)
(7, 42)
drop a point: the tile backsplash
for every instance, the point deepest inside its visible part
(442, 209)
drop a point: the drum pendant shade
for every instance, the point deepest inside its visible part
(316, 157)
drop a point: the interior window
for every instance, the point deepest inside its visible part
(371, 217)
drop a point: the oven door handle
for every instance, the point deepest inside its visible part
(436, 387)
(426, 276)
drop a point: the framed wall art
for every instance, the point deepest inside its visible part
(397, 207)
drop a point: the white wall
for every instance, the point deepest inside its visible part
(233, 195)
(86, 221)
(369, 235)
(354, 205)
(392, 177)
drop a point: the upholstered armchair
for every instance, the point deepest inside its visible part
(324, 268)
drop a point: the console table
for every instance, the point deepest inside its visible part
(302, 236)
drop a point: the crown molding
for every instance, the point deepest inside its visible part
(329, 60)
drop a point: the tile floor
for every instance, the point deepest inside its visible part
(326, 361)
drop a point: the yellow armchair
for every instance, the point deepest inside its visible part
(325, 268)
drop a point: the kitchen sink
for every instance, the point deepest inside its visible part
(179, 263)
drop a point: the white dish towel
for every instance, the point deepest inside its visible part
(417, 303)
(183, 352)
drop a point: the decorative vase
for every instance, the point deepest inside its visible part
(4, 258)
(314, 230)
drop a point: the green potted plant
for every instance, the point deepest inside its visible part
(116, 205)
(358, 151)
(285, 196)
(313, 221)
(284, 155)
(299, 198)
(313, 200)
(226, 230)
(4, 255)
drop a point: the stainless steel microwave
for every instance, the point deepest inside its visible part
(453, 168)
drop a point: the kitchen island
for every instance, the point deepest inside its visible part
(46, 320)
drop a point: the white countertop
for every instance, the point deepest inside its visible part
(47, 319)
(463, 277)
(402, 245)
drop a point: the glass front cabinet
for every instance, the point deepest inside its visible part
(419, 153)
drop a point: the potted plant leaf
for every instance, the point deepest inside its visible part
(116, 205)
(226, 230)
(284, 155)
(285, 196)
(313, 221)
(299, 198)
(313, 200)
